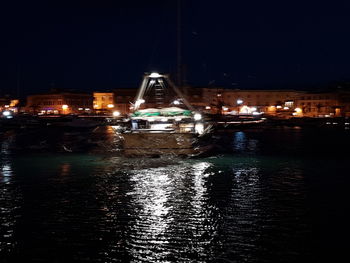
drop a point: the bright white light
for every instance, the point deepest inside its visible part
(164, 119)
(224, 108)
(207, 107)
(116, 113)
(160, 126)
(199, 128)
(256, 113)
(239, 101)
(252, 108)
(245, 110)
(219, 95)
(7, 106)
(87, 109)
(139, 102)
(294, 113)
(6, 113)
(64, 107)
(279, 107)
(176, 102)
(286, 108)
(80, 109)
(178, 119)
(155, 75)
(110, 106)
(197, 116)
(298, 110)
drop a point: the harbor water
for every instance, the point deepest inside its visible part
(276, 195)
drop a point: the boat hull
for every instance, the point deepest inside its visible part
(154, 144)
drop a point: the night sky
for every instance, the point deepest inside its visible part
(109, 44)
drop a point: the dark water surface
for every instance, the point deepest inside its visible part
(266, 196)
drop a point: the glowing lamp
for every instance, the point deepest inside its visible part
(64, 107)
(155, 75)
(116, 113)
(139, 102)
(197, 116)
(239, 101)
(6, 113)
(110, 106)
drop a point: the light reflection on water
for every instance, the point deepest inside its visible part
(10, 201)
(233, 207)
(170, 217)
(178, 211)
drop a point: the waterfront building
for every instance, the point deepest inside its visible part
(344, 102)
(60, 102)
(103, 102)
(123, 99)
(276, 103)
(319, 104)
(279, 103)
(4, 103)
(8, 104)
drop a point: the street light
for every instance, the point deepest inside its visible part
(239, 101)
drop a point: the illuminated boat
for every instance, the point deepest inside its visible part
(157, 130)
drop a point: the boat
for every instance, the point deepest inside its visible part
(164, 123)
(239, 121)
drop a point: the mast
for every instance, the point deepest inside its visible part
(178, 52)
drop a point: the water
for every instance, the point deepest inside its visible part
(277, 195)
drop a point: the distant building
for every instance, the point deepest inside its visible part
(123, 99)
(319, 104)
(103, 101)
(60, 102)
(278, 103)
(344, 102)
(271, 102)
(9, 104)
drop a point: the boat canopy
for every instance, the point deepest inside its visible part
(171, 111)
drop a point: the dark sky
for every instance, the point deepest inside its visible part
(109, 44)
